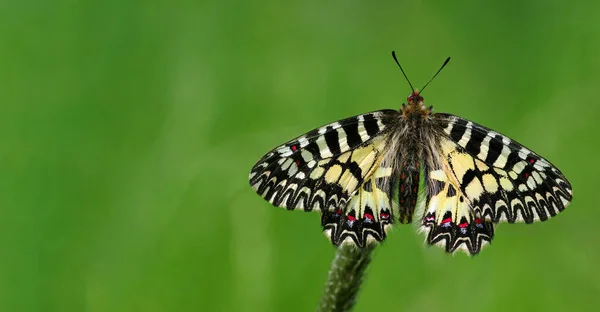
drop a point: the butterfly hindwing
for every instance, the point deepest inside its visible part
(322, 169)
(502, 179)
(368, 214)
(448, 220)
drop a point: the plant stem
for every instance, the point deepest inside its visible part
(345, 277)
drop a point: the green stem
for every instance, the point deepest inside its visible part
(345, 277)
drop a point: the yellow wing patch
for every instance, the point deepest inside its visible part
(448, 220)
(525, 193)
(368, 215)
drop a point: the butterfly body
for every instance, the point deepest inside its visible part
(362, 173)
(412, 127)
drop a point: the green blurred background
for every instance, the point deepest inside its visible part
(128, 129)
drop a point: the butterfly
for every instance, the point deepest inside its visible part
(363, 174)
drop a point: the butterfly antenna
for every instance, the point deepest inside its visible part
(402, 70)
(439, 70)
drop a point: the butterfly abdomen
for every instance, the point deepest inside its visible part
(408, 163)
(408, 189)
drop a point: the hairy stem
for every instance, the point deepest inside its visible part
(345, 277)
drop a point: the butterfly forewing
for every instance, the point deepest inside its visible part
(502, 179)
(324, 167)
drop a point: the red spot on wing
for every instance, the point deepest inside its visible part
(531, 161)
(294, 147)
(298, 162)
(463, 225)
(338, 212)
(478, 221)
(351, 218)
(526, 175)
(385, 215)
(369, 216)
(447, 220)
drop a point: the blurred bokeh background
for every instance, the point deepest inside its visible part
(128, 129)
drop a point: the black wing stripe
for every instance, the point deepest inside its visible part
(352, 135)
(333, 141)
(370, 124)
(475, 141)
(494, 150)
(458, 129)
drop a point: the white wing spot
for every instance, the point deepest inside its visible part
(523, 152)
(362, 131)
(343, 139)
(306, 155)
(537, 177)
(293, 169)
(506, 184)
(531, 183)
(484, 148)
(492, 134)
(323, 148)
(518, 167)
(502, 158)
(286, 164)
(303, 142)
(466, 136)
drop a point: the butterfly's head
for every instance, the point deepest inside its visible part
(415, 107)
(415, 98)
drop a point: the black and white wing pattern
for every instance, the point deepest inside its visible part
(476, 178)
(322, 169)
